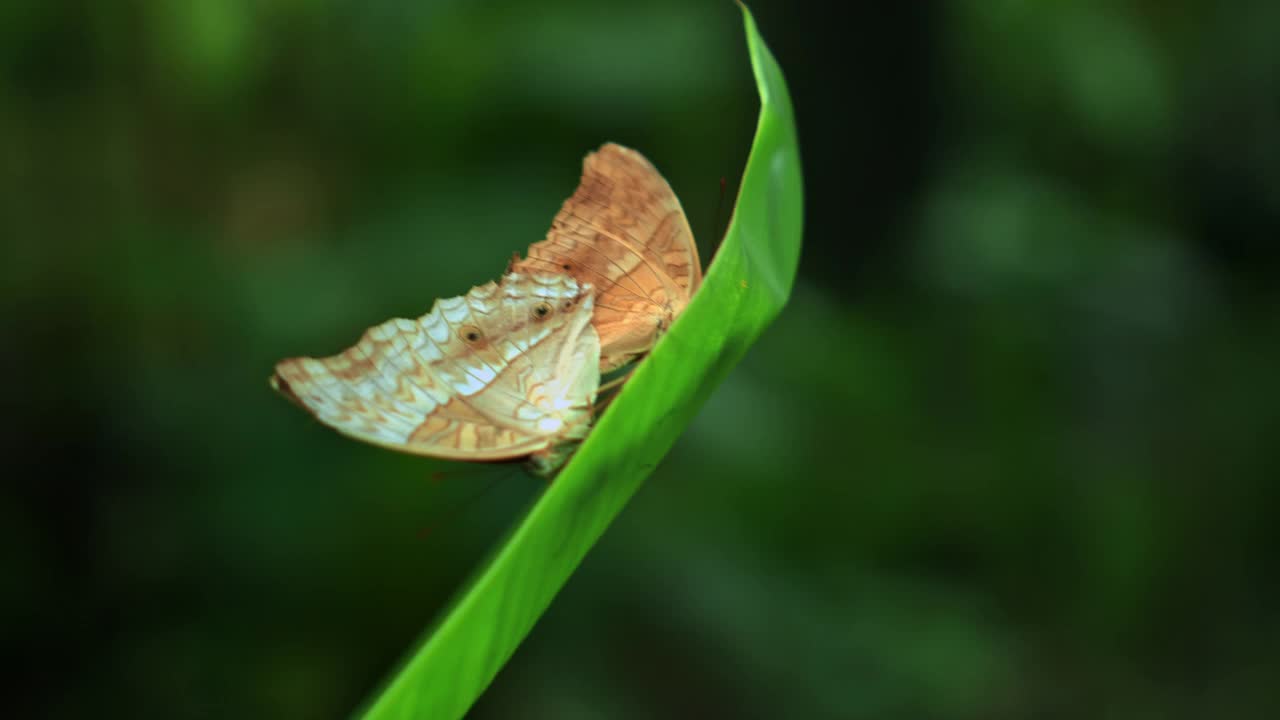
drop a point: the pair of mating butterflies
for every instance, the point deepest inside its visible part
(511, 369)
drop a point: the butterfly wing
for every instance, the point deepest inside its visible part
(623, 230)
(502, 372)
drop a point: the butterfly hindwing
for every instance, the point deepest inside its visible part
(484, 376)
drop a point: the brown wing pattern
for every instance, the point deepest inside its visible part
(505, 371)
(624, 232)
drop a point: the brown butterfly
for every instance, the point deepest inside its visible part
(507, 371)
(624, 232)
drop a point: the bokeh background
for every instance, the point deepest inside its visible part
(1009, 452)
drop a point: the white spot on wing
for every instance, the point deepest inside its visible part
(436, 327)
(454, 309)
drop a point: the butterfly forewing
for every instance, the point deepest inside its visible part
(499, 373)
(624, 232)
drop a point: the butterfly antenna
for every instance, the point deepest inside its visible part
(456, 508)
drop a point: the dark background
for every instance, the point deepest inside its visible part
(1009, 452)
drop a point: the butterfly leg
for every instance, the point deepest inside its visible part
(612, 388)
(614, 383)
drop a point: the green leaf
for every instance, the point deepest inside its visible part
(745, 288)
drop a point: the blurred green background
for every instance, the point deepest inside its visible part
(1010, 452)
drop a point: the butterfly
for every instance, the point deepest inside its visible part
(624, 232)
(507, 371)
